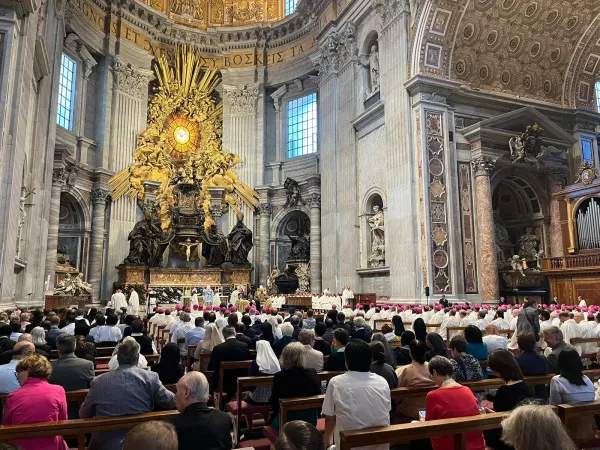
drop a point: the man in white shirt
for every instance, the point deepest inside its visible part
(8, 375)
(134, 302)
(571, 330)
(512, 324)
(493, 340)
(69, 328)
(581, 301)
(481, 322)
(118, 300)
(314, 358)
(500, 322)
(357, 399)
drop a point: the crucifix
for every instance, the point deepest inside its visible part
(188, 244)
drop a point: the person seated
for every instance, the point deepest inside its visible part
(113, 363)
(341, 322)
(69, 371)
(5, 342)
(8, 374)
(264, 364)
(329, 331)
(240, 336)
(403, 353)
(100, 321)
(296, 322)
(535, 427)
(466, 367)
(168, 368)
(554, 338)
(126, 391)
(390, 336)
(248, 330)
(493, 339)
(294, 381)
(451, 400)
(416, 374)
(154, 434)
(436, 347)
(360, 330)
(287, 331)
(310, 322)
(36, 401)
(363, 388)
(337, 360)
(147, 345)
(15, 326)
(572, 386)
(380, 367)
(504, 365)
(393, 335)
(38, 335)
(531, 363)
(299, 435)
(321, 344)
(230, 350)
(197, 425)
(314, 358)
(109, 335)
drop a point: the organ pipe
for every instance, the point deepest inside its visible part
(588, 226)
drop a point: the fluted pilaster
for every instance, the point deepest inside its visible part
(264, 210)
(314, 202)
(99, 197)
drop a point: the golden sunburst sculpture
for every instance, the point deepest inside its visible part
(183, 138)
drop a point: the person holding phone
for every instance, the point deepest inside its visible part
(449, 401)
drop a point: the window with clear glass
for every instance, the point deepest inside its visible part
(587, 151)
(598, 96)
(302, 126)
(290, 6)
(66, 93)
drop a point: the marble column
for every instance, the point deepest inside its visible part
(99, 197)
(314, 202)
(402, 245)
(486, 241)
(556, 183)
(264, 210)
(59, 179)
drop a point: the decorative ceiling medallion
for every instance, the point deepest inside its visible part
(469, 31)
(552, 16)
(531, 9)
(461, 67)
(547, 86)
(527, 82)
(508, 4)
(492, 37)
(514, 43)
(437, 189)
(572, 22)
(439, 236)
(586, 173)
(534, 51)
(555, 55)
(505, 77)
(484, 72)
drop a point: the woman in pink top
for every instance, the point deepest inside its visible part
(36, 401)
(449, 401)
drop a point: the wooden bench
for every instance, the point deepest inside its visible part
(80, 427)
(227, 365)
(433, 325)
(106, 359)
(451, 329)
(578, 341)
(570, 413)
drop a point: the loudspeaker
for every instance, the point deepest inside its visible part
(426, 291)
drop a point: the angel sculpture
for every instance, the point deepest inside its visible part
(528, 147)
(303, 274)
(517, 264)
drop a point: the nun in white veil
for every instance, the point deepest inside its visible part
(265, 364)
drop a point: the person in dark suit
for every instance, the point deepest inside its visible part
(248, 330)
(321, 344)
(294, 381)
(197, 425)
(297, 324)
(5, 343)
(230, 350)
(360, 330)
(531, 363)
(53, 332)
(240, 336)
(337, 360)
(71, 372)
(287, 330)
(341, 323)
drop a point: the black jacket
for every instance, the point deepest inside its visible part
(281, 343)
(322, 346)
(363, 334)
(199, 426)
(230, 350)
(145, 344)
(293, 383)
(250, 332)
(245, 339)
(336, 362)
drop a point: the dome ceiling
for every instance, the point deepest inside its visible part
(543, 49)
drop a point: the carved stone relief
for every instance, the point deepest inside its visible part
(242, 99)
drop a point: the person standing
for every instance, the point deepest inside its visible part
(134, 302)
(528, 320)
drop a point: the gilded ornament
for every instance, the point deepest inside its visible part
(183, 142)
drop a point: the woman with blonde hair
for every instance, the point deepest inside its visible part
(38, 335)
(36, 401)
(535, 427)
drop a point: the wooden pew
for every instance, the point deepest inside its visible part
(451, 329)
(596, 341)
(205, 358)
(106, 359)
(433, 325)
(80, 427)
(399, 434)
(247, 410)
(190, 354)
(100, 351)
(227, 365)
(570, 413)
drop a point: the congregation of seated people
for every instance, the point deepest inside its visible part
(44, 354)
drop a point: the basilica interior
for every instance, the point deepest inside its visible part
(404, 149)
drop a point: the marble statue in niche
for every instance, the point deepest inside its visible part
(377, 226)
(292, 192)
(529, 245)
(374, 68)
(240, 242)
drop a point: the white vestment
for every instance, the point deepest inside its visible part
(134, 304)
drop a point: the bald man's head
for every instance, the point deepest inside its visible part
(491, 329)
(22, 349)
(25, 337)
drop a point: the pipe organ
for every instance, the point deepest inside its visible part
(588, 224)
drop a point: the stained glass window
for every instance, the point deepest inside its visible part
(586, 151)
(66, 93)
(302, 126)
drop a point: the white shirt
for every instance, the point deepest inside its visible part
(495, 342)
(8, 379)
(69, 329)
(113, 364)
(358, 400)
(107, 333)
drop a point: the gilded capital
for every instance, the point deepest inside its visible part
(483, 166)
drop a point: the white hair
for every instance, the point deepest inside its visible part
(306, 336)
(360, 322)
(287, 329)
(197, 383)
(38, 334)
